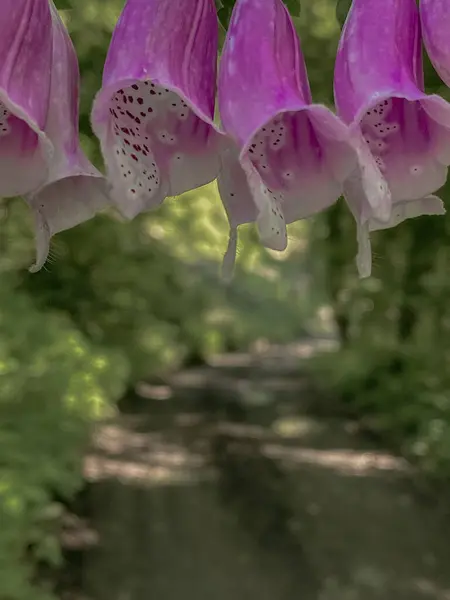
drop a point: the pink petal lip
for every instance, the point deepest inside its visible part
(174, 50)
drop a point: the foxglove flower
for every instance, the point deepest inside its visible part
(402, 136)
(26, 58)
(74, 191)
(154, 113)
(295, 154)
(435, 17)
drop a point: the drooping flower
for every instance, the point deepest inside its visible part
(295, 154)
(154, 114)
(435, 17)
(74, 190)
(402, 136)
(26, 58)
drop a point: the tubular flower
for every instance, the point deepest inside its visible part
(26, 51)
(295, 154)
(435, 17)
(74, 190)
(402, 136)
(154, 113)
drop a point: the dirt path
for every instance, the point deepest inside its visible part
(223, 485)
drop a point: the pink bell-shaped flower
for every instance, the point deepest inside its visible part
(435, 18)
(74, 190)
(154, 114)
(402, 136)
(25, 70)
(295, 154)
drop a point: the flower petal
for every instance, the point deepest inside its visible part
(154, 114)
(74, 191)
(296, 155)
(431, 205)
(435, 18)
(402, 136)
(63, 205)
(26, 51)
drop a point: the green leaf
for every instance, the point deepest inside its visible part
(293, 7)
(225, 8)
(342, 8)
(224, 15)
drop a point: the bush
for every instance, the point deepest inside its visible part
(54, 386)
(398, 392)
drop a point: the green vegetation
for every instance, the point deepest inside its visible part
(117, 302)
(122, 301)
(392, 370)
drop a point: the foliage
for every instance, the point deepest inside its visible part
(124, 301)
(391, 372)
(53, 384)
(117, 302)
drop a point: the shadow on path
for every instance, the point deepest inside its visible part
(222, 485)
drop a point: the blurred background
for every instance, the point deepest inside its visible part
(164, 436)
